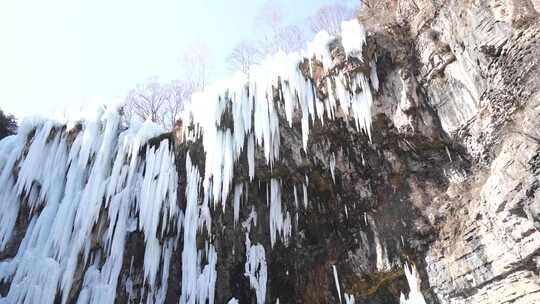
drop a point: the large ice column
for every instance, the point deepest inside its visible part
(256, 269)
(190, 270)
(280, 223)
(244, 112)
(198, 283)
(238, 189)
(276, 215)
(10, 149)
(86, 187)
(82, 188)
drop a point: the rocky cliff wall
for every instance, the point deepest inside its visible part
(445, 178)
(487, 98)
(477, 68)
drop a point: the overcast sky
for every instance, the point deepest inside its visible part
(57, 55)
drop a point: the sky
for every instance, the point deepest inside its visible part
(61, 55)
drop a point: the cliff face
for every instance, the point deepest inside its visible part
(487, 98)
(475, 64)
(446, 178)
(459, 77)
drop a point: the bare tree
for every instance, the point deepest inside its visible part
(195, 64)
(274, 35)
(270, 16)
(162, 102)
(329, 18)
(8, 124)
(242, 56)
(289, 38)
(180, 92)
(147, 100)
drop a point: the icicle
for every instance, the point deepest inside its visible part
(206, 281)
(365, 218)
(276, 215)
(237, 195)
(252, 219)
(383, 263)
(318, 48)
(256, 269)
(448, 153)
(197, 286)
(305, 195)
(415, 295)
(333, 166)
(361, 105)
(353, 38)
(337, 282)
(349, 299)
(287, 229)
(295, 198)
(373, 76)
(189, 253)
(251, 157)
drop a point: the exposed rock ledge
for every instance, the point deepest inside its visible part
(449, 182)
(478, 69)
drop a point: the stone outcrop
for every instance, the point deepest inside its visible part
(449, 180)
(477, 68)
